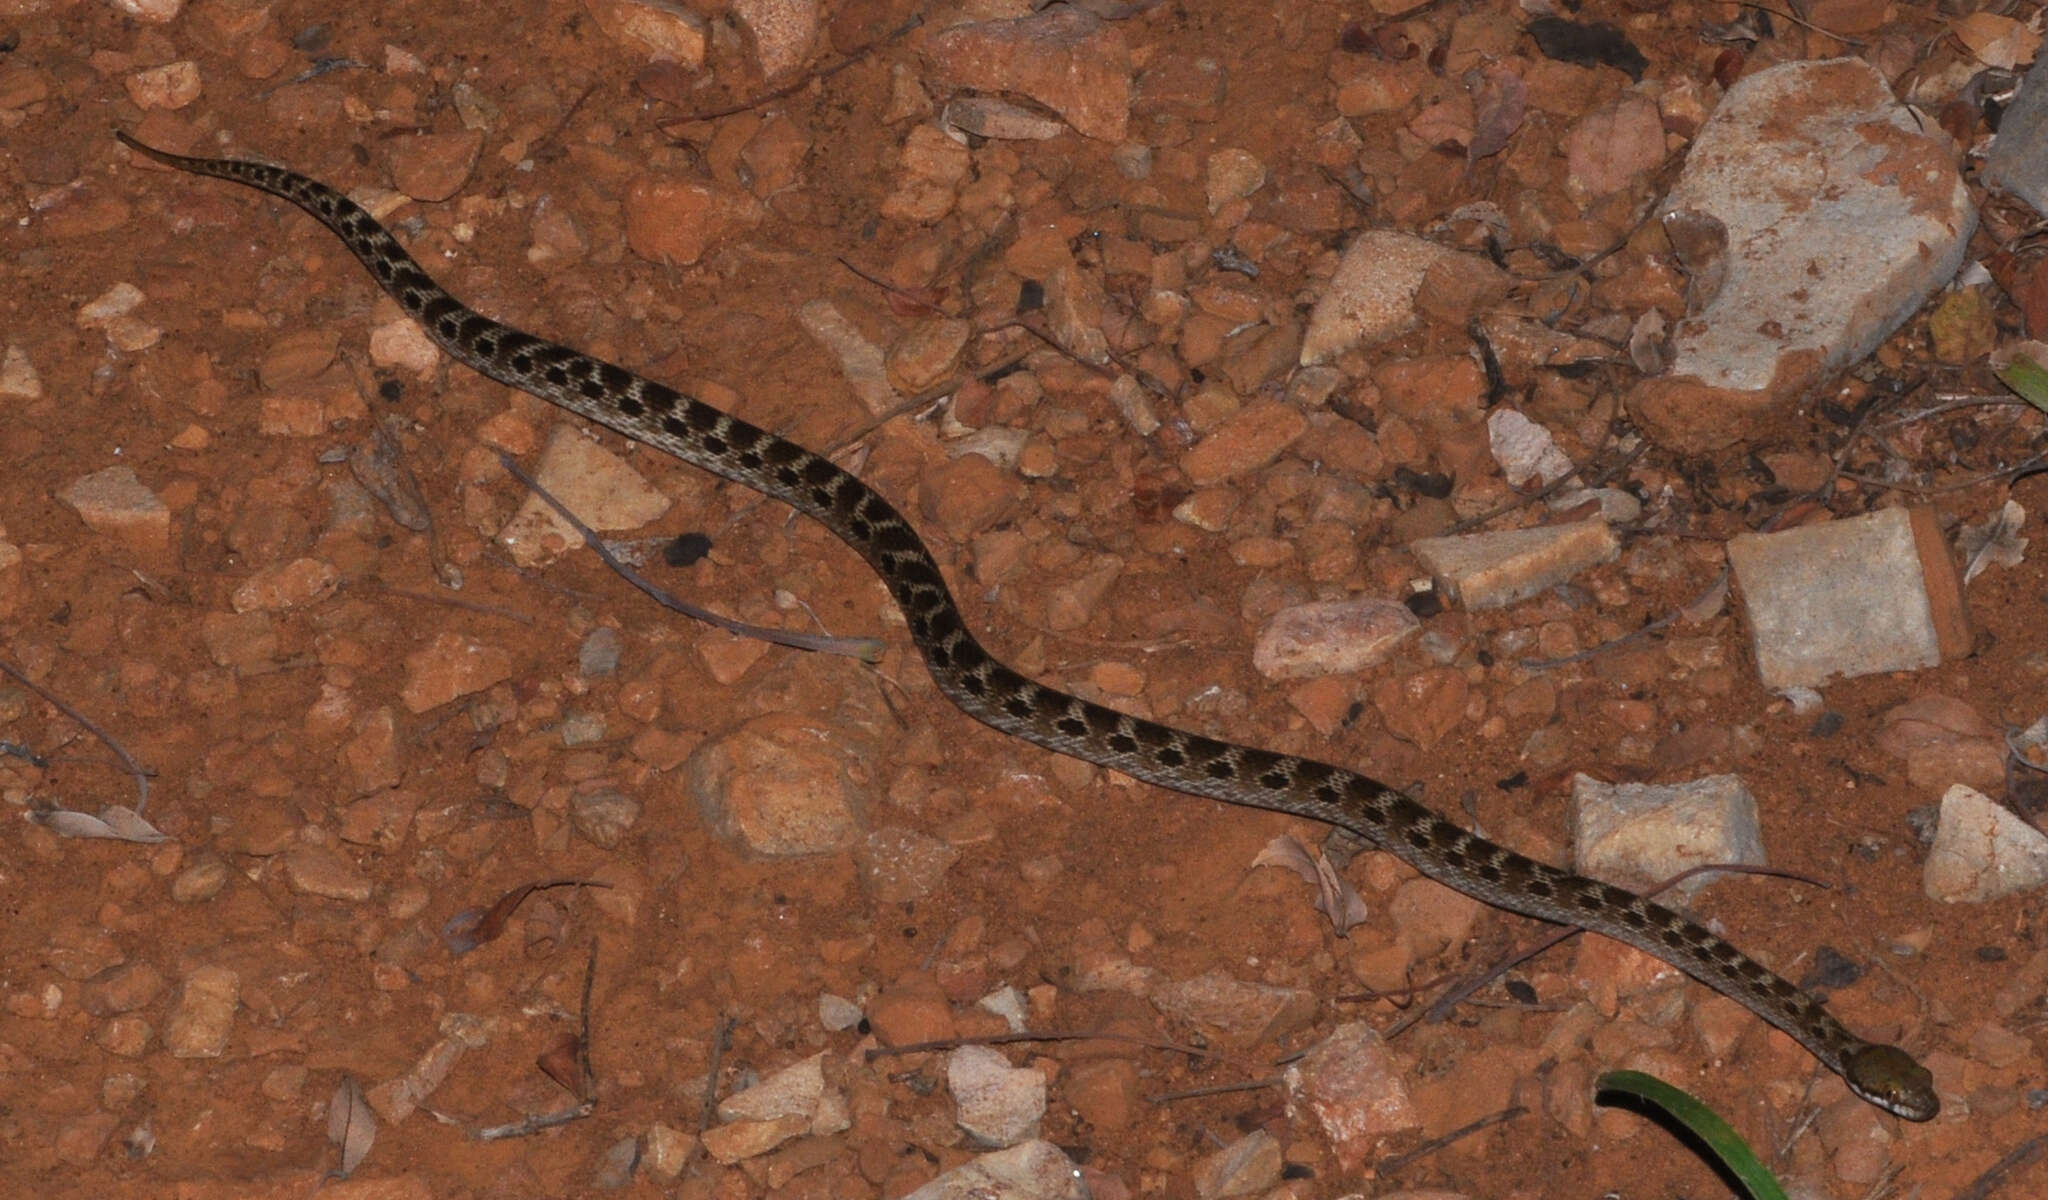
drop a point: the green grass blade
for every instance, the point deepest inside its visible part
(1714, 1133)
(2028, 378)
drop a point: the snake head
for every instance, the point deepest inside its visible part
(1891, 1079)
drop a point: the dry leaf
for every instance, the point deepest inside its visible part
(1335, 897)
(467, 930)
(1996, 542)
(117, 822)
(563, 1063)
(350, 1124)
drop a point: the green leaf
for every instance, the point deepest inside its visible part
(2029, 379)
(1705, 1124)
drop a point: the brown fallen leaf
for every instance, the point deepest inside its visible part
(467, 930)
(1995, 542)
(117, 822)
(1335, 897)
(350, 1124)
(563, 1063)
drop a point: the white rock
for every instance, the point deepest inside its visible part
(1027, 1171)
(1639, 834)
(1982, 850)
(1372, 296)
(996, 1103)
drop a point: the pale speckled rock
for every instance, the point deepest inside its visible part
(783, 32)
(1331, 637)
(1982, 851)
(1851, 597)
(1372, 296)
(899, 864)
(995, 1103)
(1246, 1167)
(602, 489)
(115, 504)
(861, 362)
(1259, 1011)
(1495, 569)
(666, 32)
(1843, 211)
(1065, 58)
(782, 786)
(451, 666)
(1639, 835)
(1031, 1170)
(204, 1015)
(1356, 1090)
(18, 378)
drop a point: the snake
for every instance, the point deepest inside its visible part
(990, 691)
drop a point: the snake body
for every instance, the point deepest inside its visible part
(992, 692)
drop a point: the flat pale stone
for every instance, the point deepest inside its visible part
(602, 489)
(1490, 570)
(1843, 212)
(1982, 850)
(1852, 597)
(1639, 835)
(1031, 1170)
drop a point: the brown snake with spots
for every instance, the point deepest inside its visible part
(991, 692)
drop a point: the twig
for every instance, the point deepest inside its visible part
(141, 773)
(2019, 1156)
(1063, 1035)
(865, 649)
(1398, 1161)
(852, 56)
(535, 1124)
(1960, 485)
(1218, 1089)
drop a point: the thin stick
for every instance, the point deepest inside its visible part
(866, 649)
(140, 772)
(1068, 1035)
(1433, 1145)
(853, 56)
(1218, 1089)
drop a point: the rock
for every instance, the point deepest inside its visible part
(900, 864)
(204, 1014)
(673, 34)
(451, 666)
(911, 1011)
(1249, 439)
(994, 1102)
(1524, 449)
(860, 360)
(739, 1140)
(797, 1090)
(2018, 160)
(781, 786)
(783, 32)
(1982, 851)
(1944, 741)
(1422, 707)
(1246, 1167)
(602, 489)
(1027, 1171)
(1332, 637)
(1372, 297)
(1355, 1090)
(432, 167)
(115, 504)
(1064, 57)
(1492, 570)
(1842, 210)
(1638, 835)
(1257, 1011)
(327, 872)
(1851, 597)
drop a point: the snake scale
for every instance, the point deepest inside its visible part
(992, 692)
